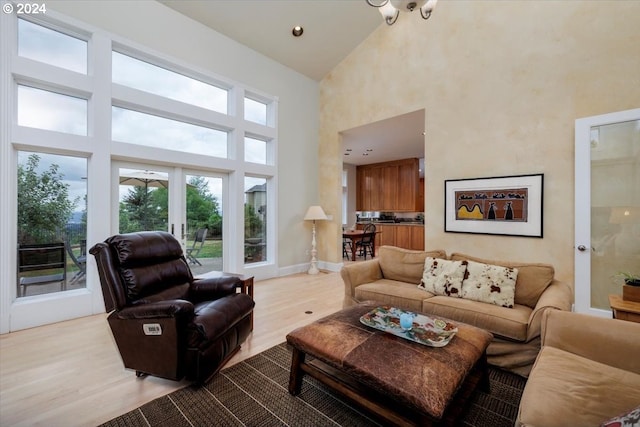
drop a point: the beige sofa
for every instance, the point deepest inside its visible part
(587, 372)
(393, 277)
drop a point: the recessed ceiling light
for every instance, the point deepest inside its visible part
(297, 31)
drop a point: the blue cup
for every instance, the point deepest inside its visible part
(406, 321)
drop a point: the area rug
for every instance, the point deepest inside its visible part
(254, 393)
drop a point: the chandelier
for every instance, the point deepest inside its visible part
(390, 9)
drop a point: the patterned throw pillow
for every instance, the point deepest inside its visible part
(490, 283)
(630, 419)
(443, 277)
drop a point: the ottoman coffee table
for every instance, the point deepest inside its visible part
(398, 380)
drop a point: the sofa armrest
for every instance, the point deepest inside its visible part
(557, 296)
(608, 341)
(354, 275)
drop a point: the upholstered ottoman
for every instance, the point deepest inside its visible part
(398, 380)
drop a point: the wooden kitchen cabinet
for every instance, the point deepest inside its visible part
(387, 235)
(389, 186)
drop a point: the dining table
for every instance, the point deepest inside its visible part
(356, 236)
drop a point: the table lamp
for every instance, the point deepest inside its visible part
(314, 213)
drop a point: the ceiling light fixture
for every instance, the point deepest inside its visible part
(297, 31)
(390, 9)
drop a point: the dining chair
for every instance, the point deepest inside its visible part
(367, 241)
(347, 246)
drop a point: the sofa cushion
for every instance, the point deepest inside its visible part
(394, 293)
(567, 389)
(443, 277)
(488, 283)
(532, 280)
(404, 265)
(505, 322)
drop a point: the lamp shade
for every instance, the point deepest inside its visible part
(315, 213)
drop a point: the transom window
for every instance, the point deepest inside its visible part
(43, 109)
(147, 77)
(153, 131)
(51, 47)
(255, 111)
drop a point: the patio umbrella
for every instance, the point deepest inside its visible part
(145, 179)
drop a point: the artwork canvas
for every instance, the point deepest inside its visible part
(510, 205)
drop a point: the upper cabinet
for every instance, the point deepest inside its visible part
(389, 186)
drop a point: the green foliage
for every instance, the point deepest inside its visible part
(44, 207)
(253, 225)
(143, 209)
(147, 209)
(203, 209)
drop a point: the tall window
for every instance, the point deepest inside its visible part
(255, 219)
(52, 223)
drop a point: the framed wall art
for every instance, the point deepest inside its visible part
(506, 205)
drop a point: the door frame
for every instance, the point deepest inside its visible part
(582, 203)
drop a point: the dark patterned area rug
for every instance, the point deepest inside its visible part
(254, 393)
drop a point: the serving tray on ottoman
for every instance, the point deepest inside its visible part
(395, 379)
(425, 330)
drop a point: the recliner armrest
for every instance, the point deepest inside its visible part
(155, 310)
(213, 288)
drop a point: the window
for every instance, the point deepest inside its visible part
(42, 109)
(141, 75)
(153, 131)
(255, 111)
(255, 219)
(255, 150)
(52, 223)
(51, 47)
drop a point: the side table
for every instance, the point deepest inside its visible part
(624, 310)
(245, 288)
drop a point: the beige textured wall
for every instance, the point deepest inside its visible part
(502, 84)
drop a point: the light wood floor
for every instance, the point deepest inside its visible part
(70, 373)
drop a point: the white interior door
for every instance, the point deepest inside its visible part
(607, 207)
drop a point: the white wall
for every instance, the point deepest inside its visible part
(158, 27)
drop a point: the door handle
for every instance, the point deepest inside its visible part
(582, 248)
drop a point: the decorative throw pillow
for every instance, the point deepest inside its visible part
(443, 277)
(490, 283)
(630, 419)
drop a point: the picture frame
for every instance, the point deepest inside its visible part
(506, 205)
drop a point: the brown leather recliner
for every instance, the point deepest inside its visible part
(164, 322)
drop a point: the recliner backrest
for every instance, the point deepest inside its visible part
(141, 267)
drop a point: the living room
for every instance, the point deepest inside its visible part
(501, 84)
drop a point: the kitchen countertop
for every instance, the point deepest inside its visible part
(403, 223)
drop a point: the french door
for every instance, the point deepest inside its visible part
(607, 207)
(185, 203)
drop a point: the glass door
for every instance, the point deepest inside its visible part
(202, 231)
(143, 202)
(607, 207)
